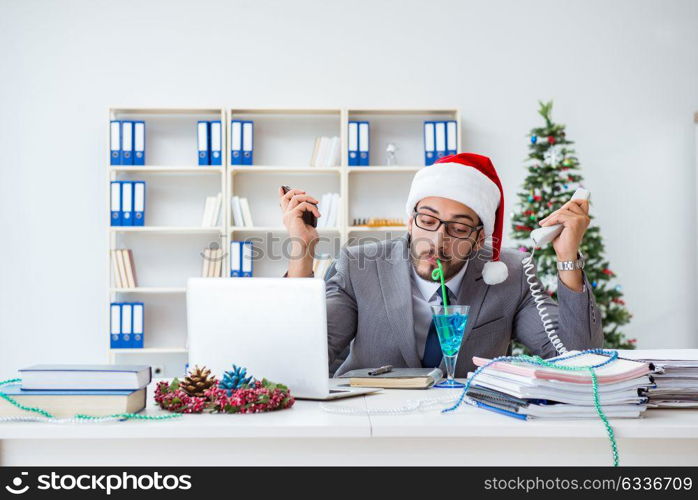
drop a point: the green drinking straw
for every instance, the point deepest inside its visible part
(437, 274)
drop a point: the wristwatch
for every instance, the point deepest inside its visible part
(571, 265)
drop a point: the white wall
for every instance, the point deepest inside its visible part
(623, 74)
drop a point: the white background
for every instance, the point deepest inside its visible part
(623, 74)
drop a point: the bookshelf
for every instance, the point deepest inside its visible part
(167, 249)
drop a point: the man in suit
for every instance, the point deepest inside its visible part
(378, 300)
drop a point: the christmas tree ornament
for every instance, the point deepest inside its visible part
(198, 381)
(553, 155)
(534, 139)
(551, 139)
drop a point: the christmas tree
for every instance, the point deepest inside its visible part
(552, 178)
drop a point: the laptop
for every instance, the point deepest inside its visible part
(274, 327)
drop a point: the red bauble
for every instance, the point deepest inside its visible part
(551, 139)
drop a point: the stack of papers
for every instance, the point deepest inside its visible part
(675, 374)
(524, 390)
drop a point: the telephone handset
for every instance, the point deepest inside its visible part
(542, 236)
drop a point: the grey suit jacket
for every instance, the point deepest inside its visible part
(369, 308)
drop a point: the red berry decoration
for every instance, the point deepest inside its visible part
(551, 139)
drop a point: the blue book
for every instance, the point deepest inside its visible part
(236, 142)
(127, 142)
(429, 144)
(126, 203)
(203, 140)
(216, 153)
(235, 259)
(353, 149)
(115, 202)
(115, 142)
(85, 377)
(139, 142)
(115, 326)
(246, 259)
(364, 144)
(247, 142)
(501, 411)
(138, 203)
(440, 139)
(138, 319)
(451, 137)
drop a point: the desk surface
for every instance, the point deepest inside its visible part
(308, 419)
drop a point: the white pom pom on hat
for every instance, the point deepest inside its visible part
(470, 179)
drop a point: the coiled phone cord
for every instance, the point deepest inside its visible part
(539, 297)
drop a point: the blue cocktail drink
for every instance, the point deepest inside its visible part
(450, 322)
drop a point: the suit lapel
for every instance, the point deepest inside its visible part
(396, 286)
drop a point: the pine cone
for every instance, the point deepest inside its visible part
(235, 379)
(198, 381)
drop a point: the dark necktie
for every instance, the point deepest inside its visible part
(432, 348)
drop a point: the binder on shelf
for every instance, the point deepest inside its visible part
(137, 331)
(139, 203)
(127, 142)
(246, 259)
(115, 326)
(216, 140)
(139, 143)
(451, 137)
(116, 219)
(235, 256)
(126, 324)
(247, 142)
(353, 149)
(127, 203)
(203, 138)
(429, 149)
(440, 139)
(235, 142)
(237, 211)
(364, 146)
(115, 142)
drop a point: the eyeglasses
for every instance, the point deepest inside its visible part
(456, 230)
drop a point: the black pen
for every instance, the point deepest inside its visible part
(382, 369)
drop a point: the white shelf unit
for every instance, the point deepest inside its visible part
(167, 248)
(283, 144)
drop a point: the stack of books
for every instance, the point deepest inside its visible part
(212, 211)
(329, 208)
(66, 390)
(213, 262)
(523, 390)
(242, 217)
(123, 268)
(325, 152)
(675, 375)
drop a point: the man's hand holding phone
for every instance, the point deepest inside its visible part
(295, 204)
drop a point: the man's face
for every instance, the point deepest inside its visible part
(427, 245)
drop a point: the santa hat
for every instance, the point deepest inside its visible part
(469, 179)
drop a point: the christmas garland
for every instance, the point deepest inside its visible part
(200, 392)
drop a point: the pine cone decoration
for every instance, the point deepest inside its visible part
(235, 379)
(198, 381)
